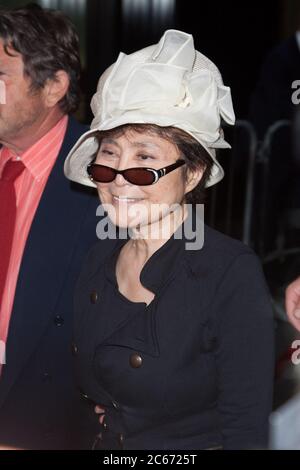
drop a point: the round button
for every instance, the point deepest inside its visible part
(135, 360)
(115, 405)
(94, 297)
(74, 349)
(105, 425)
(121, 439)
(58, 320)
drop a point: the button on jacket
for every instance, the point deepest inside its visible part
(194, 368)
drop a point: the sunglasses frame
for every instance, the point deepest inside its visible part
(157, 173)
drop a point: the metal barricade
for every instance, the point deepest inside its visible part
(265, 154)
(246, 152)
(280, 256)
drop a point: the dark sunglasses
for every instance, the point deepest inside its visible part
(138, 176)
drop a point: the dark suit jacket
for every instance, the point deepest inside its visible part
(36, 388)
(194, 369)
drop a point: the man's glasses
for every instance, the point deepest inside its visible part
(138, 176)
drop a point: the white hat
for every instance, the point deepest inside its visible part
(167, 84)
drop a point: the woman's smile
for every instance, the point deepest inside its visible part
(125, 199)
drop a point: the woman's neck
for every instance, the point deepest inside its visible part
(146, 240)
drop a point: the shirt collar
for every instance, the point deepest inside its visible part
(42, 154)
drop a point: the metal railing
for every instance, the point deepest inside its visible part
(257, 158)
(264, 157)
(249, 156)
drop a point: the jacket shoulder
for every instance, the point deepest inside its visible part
(218, 252)
(223, 244)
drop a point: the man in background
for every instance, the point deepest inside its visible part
(46, 228)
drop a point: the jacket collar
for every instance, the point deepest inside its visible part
(137, 326)
(170, 258)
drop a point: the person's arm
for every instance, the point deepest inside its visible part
(292, 303)
(244, 354)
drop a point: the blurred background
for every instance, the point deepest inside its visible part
(256, 46)
(235, 35)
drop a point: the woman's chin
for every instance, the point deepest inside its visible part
(125, 223)
(127, 216)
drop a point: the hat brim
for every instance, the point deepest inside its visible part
(85, 150)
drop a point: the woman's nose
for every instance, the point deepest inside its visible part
(123, 163)
(120, 180)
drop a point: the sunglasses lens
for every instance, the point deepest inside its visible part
(105, 174)
(101, 174)
(139, 176)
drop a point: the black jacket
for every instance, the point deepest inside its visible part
(194, 369)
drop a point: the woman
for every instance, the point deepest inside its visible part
(173, 343)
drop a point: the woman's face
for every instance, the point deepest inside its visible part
(129, 205)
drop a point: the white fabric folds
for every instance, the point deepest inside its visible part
(169, 84)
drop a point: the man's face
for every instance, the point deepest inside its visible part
(24, 109)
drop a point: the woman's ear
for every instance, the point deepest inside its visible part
(193, 178)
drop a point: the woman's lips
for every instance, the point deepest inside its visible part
(126, 200)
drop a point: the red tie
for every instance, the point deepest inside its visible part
(8, 209)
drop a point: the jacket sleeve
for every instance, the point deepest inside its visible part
(244, 329)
